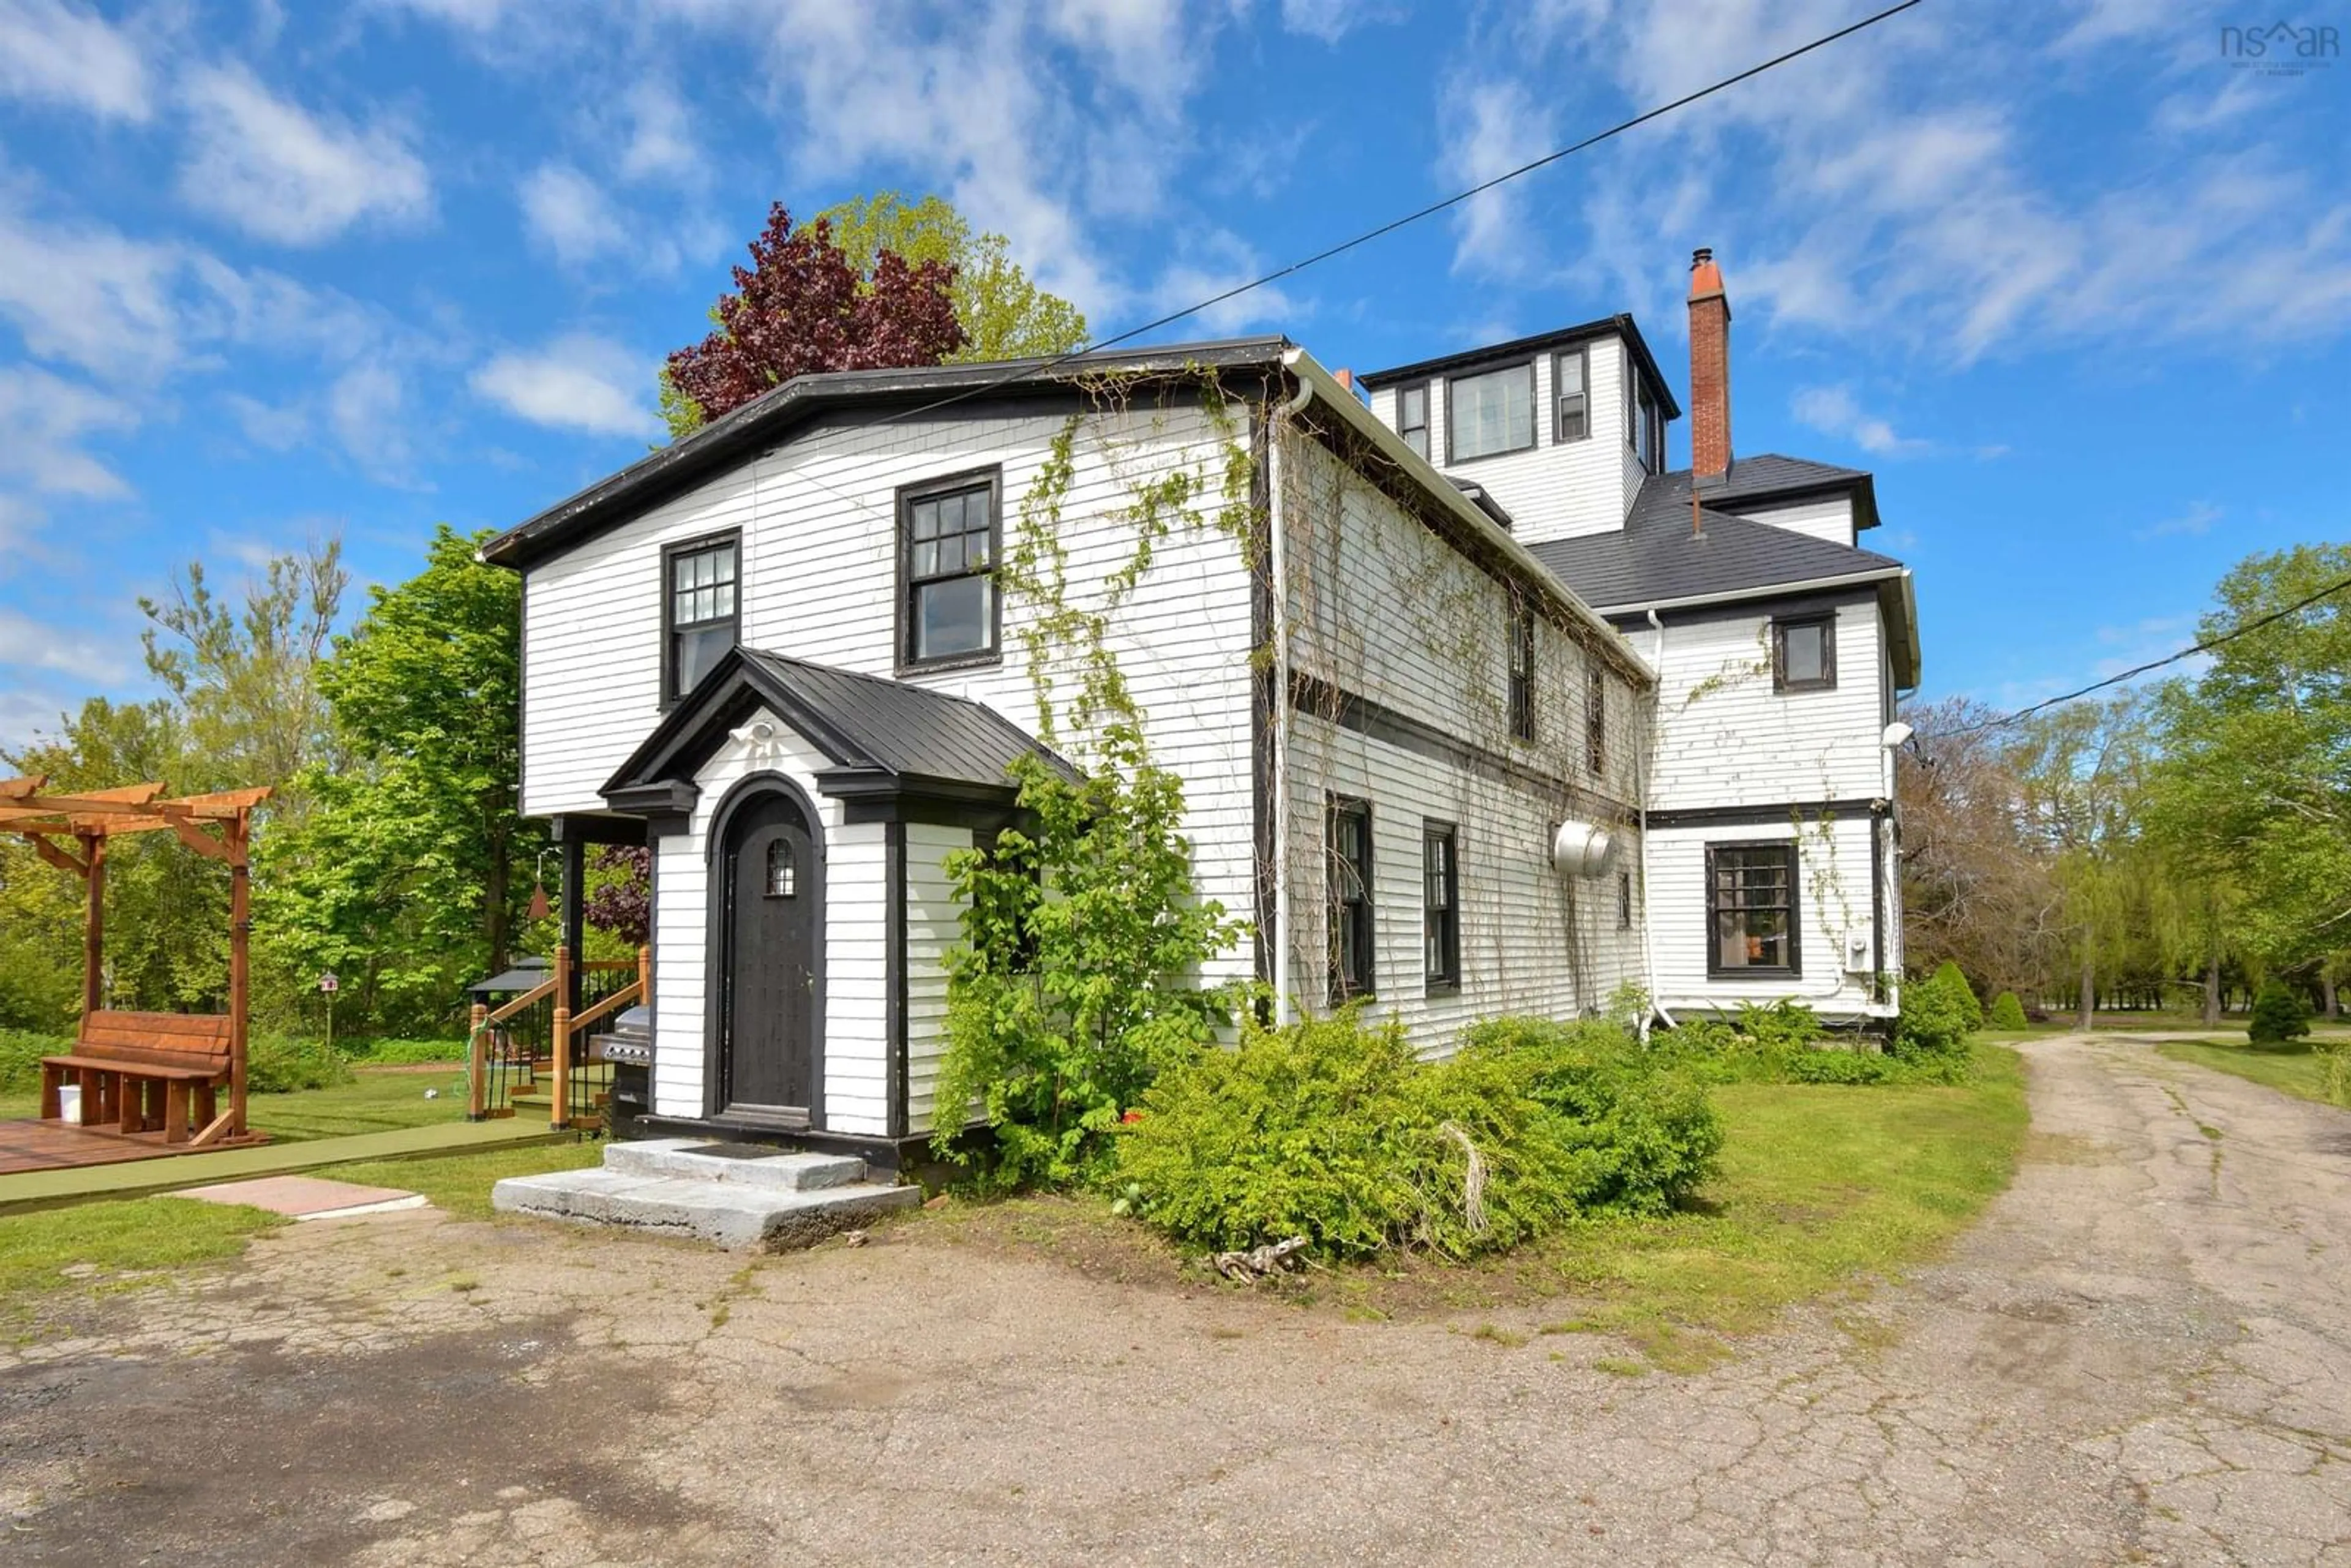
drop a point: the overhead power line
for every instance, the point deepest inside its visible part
(2205, 646)
(1392, 225)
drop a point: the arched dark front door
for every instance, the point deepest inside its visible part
(773, 899)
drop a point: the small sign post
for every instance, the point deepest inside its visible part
(328, 987)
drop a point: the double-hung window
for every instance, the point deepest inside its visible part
(701, 610)
(1522, 674)
(1349, 853)
(1440, 902)
(1570, 374)
(1490, 412)
(1803, 653)
(1623, 900)
(1753, 902)
(1595, 719)
(948, 610)
(1649, 433)
(1412, 416)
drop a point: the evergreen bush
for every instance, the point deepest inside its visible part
(2280, 1014)
(1949, 975)
(2007, 1012)
(1935, 1019)
(1336, 1131)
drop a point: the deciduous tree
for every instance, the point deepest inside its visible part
(801, 306)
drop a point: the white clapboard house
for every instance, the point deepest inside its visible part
(1479, 707)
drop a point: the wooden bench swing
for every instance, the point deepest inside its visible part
(144, 1074)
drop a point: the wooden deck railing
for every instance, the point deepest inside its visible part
(567, 1026)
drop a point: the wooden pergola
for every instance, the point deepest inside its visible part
(71, 832)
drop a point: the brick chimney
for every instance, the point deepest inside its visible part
(1709, 332)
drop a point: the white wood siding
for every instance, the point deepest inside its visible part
(1831, 520)
(820, 536)
(934, 925)
(1833, 898)
(855, 933)
(1552, 491)
(1726, 739)
(1379, 606)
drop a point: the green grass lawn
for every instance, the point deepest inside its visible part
(374, 1101)
(2298, 1069)
(1822, 1189)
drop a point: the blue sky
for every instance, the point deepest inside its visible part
(2075, 285)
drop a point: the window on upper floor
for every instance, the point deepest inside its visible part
(701, 610)
(1490, 412)
(1440, 876)
(1803, 653)
(1752, 905)
(1646, 422)
(1412, 416)
(947, 607)
(1348, 851)
(1523, 674)
(1595, 719)
(1570, 374)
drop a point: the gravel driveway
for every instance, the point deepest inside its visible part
(2143, 1353)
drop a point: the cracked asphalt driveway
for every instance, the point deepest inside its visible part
(2142, 1352)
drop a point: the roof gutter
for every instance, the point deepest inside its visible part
(1315, 383)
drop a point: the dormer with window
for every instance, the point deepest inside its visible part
(1560, 429)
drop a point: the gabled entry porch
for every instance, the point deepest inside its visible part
(798, 815)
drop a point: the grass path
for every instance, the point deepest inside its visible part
(2299, 1070)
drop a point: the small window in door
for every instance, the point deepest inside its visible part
(783, 871)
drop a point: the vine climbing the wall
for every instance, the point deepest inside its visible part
(1076, 984)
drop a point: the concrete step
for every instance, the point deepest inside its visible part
(750, 1165)
(731, 1214)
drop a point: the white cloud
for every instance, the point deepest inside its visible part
(275, 428)
(1504, 127)
(1833, 411)
(28, 715)
(2196, 521)
(50, 53)
(43, 420)
(576, 383)
(1900, 187)
(1332, 20)
(661, 137)
(367, 410)
(283, 173)
(569, 215)
(91, 295)
(30, 644)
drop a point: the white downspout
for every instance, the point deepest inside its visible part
(1278, 563)
(1641, 793)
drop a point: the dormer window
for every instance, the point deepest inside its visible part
(1648, 429)
(1490, 413)
(1571, 397)
(1412, 416)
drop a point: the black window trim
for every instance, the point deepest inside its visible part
(1716, 969)
(1595, 718)
(1522, 665)
(1826, 622)
(670, 695)
(1438, 983)
(1471, 373)
(1624, 901)
(948, 484)
(1428, 412)
(1583, 353)
(1366, 930)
